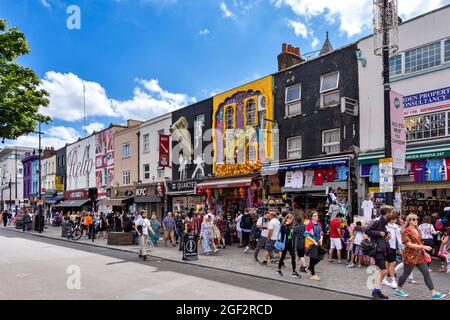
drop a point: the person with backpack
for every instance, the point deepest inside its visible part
(314, 235)
(299, 233)
(357, 238)
(286, 236)
(376, 230)
(246, 227)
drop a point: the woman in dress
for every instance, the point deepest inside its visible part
(206, 235)
(314, 237)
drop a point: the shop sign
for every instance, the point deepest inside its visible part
(374, 190)
(429, 155)
(164, 148)
(142, 192)
(386, 175)
(398, 134)
(190, 248)
(428, 101)
(76, 194)
(129, 193)
(182, 186)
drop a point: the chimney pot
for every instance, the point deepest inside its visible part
(283, 47)
(297, 51)
(289, 48)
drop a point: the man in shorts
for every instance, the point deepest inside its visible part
(335, 238)
(273, 228)
(169, 227)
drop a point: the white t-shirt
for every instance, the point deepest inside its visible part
(274, 225)
(427, 230)
(262, 222)
(297, 180)
(288, 180)
(359, 237)
(238, 222)
(367, 206)
(146, 227)
(309, 176)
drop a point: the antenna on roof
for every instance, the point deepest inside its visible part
(84, 108)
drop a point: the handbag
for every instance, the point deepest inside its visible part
(316, 252)
(427, 257)
(279, 245)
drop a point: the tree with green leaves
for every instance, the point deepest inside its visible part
(20, 92)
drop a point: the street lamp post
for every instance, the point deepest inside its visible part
(16, 182)
(39, 219)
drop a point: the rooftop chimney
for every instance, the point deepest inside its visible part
(289, 56)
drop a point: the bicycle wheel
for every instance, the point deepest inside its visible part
(77, 234)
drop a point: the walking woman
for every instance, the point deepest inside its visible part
(428, 232)
(395, 245)
(221, 225)
(206, 235)
(314, 234)
(415, 254)
(287, 237)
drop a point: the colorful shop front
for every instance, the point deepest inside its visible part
(305, 184)
(119, 199)
(76, 200)
(423, 187)
(150, 198)
(186, 196)
(243, 125)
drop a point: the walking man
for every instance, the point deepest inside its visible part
(261, 224)
(143, 227)
(169, 229)
(335, 238)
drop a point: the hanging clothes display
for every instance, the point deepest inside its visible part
(319, 175)
(374, 175)
(418, 167)
(435, 166)
(330, 174)
(297, 179)
(342, 173)
(288, 179)
(309, 176)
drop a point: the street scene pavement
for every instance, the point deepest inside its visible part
(336, 280)
(43, 268)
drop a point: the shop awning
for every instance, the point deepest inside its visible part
(226, 183)
(52, 200)
(73, 203)
(304, 164)
(115, 202)
(145, 199)
(439, 151)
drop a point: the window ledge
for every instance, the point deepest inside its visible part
(444, 66)
(293, 116)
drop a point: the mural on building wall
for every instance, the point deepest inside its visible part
(242, 122)
(104, 159)
(80, 164)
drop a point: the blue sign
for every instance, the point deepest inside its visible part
(420, 99)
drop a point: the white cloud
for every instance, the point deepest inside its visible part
(150, 101)
(94, 126)
(45, 3)
(204, 32)
(314, 43)
(353, 16)
(299, 28)
(66, 99)
(56, 137)
(225, 11)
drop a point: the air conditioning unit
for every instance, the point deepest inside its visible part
(349, 106)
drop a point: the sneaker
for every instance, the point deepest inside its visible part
(438, 296)
(216, 250)
(308, 272)
(246, 249)
(280, 273)
(377, 295)
(303, 270)
(385, 282)
(140, 256)
(264, 263)
(144, 257)
(339, 261)
(394, 284)
(273, 260)
(350, 265)
(359, 265)
(282, 265)
(315, 277)
(296, 275)
(400, 293)
(412, 281)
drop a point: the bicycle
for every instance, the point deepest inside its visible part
(75, 231)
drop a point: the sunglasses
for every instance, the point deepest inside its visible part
(413, 219)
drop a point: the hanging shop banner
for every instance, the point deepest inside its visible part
(386, 175)
(164, 160)
(398, 134)
(426, 102)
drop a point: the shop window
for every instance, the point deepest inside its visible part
(447, 50)
(294, 147)
(251, 114)
(395, 65)
(229, 118)
(331, 141)
(126, 150)
(146, 138)
(427, 126)
(160, 173)
(422, 58)
(126, 177)
(329, 90)
(146, 171)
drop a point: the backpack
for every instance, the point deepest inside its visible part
(439, 225)
(256, 232)
(369, 248)
(246, 222)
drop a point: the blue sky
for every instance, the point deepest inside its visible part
(141, 58)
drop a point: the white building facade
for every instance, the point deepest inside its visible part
(80, 164)
(420, 71)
